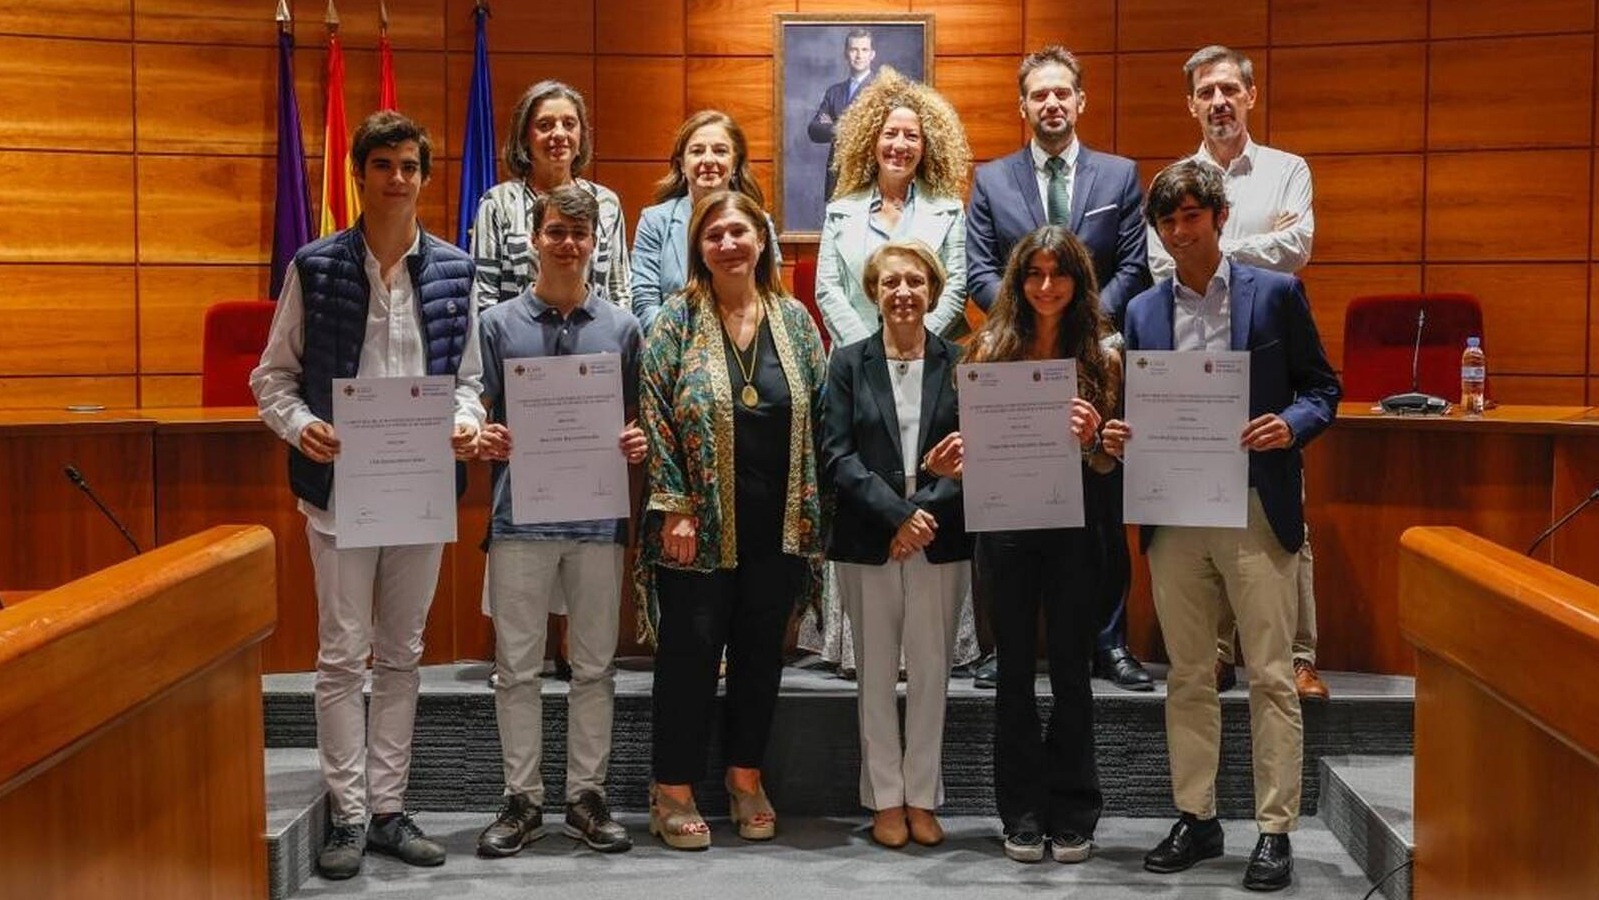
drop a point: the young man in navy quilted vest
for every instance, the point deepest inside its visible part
(382, 298)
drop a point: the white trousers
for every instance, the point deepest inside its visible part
(370, 601)
(911, 606)
(528, 578)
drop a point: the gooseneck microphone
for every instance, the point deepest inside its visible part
(1414, 402)
(1560, 522)
(76, 477)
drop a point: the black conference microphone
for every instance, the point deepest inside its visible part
(1559, 523)
(76, 477)
(1414, 402)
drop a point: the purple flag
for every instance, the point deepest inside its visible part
(291, 227)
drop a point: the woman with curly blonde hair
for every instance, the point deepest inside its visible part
(902, 158)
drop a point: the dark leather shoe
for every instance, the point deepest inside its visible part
(589, 820)
(1119, 667)
(986, 675)
(1226, 676)
(340, 857)
(1307, 681)
(1271, 866)
(396, 835)
(520, 823)
(1191, 840)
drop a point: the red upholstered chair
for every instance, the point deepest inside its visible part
(235, 333)
(1380, 339)
(804, 290)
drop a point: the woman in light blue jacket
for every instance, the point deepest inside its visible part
(709, 154)
(902, 156)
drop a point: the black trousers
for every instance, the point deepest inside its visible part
(744, 610)
(1045, 780)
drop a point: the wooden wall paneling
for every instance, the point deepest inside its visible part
(58, 94)
(66, 207)
(1347, 21)
(634, 183)
(413, 25)
(1537, 389)
(975, 27)
(1369, 98)
(852, 6)
(733, 27)
(1475, 200)
(1152, 120)
(641, 27)
(1096, 127)
(555, 27)
(109, 20)
(216, 21)
(1331, 286)
(738, 86)
(1353, 505)
(1084, 26)
(76, 319)
(60, 391)
(437, 205)
(172, 305)
(208, 99)
(1477, 18)
(513, 74)
(637, 106)
(766, 174)
(160, 391)
(66, 537)
(1177, 24)
(208, 209)
(420, 83)
(1368, 208)
(1472, 105)
(1535, 315)
(983, 92)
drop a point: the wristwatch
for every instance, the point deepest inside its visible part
(1095, 447)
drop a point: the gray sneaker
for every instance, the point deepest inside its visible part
(396, 835)
(340, 857)
(1070, 847)
(589, 820)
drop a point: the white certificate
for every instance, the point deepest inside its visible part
(1023, 467)
(394, 482)
(1185, 464)
(565, 415)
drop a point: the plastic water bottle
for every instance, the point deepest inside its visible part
(1473, 373)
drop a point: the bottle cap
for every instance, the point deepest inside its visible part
(1474, 342)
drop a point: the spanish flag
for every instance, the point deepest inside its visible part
(341, 204)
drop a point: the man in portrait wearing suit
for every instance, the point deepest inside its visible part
(1214, 304)
(1055, 180)
(1270, 224)
(859, 54)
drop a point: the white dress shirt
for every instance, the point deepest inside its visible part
(1262, 183)
(392, 347)
(1204, 322)
(905, 377)
(1041, 170)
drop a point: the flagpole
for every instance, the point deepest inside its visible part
(341, 204)
(387, 95)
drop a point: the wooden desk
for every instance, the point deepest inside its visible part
(1506, 477)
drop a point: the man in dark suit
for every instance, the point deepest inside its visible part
(859, 54)
(1055, 180)
(1213, 304)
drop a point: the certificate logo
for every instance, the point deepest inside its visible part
(349, 390)
(1142, 362)
(520, 370)
(582, 368)
(1037, 375)
(1210, 366)
(971, 374)
(416, 390)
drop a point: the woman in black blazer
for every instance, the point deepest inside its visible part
(892, 453)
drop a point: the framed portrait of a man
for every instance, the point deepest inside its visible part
(823, 61)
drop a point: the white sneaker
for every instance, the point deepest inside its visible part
(1070, 847)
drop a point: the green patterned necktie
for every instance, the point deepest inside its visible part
(1060, 191)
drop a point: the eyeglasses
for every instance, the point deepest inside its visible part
(560, 234)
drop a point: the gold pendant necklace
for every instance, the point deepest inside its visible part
(748, 395)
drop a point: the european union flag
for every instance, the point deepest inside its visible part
(477, 154)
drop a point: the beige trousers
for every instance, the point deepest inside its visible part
(1190, 568)
(1304, 634)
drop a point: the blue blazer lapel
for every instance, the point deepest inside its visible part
(1082, 186)
(1241, 301)
(1021, 171)
(677, 250)
(1160, 334)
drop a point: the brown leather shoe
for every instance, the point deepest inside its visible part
(889, 828)
(925, 829)
(1308, 683)
(1226, 676)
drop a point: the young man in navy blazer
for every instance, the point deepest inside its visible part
(1055, 180)
(1214, 304)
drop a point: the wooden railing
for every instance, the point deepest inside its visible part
(131, 745)
(1507, 720)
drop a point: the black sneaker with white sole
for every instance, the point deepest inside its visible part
(1024, 846)
(1070, 847)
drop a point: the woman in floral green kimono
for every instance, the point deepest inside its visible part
(732, 537)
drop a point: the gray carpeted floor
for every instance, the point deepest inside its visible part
(817, 859)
